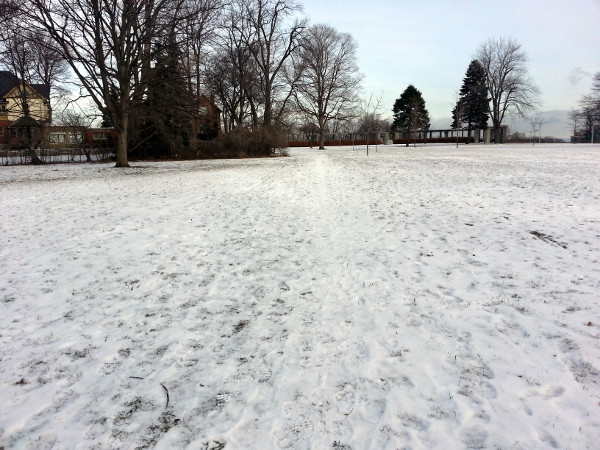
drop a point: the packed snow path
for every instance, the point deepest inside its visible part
(414, 298)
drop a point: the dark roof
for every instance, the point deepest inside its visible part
(25, 122)
(8, 81)
(43, 90)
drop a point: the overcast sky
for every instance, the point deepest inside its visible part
(430, 43)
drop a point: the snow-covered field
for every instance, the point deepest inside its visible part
(427, 297)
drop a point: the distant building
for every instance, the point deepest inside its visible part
(22, 105)
(208, 123)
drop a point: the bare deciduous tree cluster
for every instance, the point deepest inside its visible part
(586, 119)
(145, 64)
(254, 55)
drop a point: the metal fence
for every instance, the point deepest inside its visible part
(55, 155)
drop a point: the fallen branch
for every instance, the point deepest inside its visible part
(547, 238)
(166, 392)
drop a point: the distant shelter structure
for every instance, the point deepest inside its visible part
(448, 135)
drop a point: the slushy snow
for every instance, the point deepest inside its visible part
(427, 297)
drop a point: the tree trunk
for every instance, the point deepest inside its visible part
(496, 133)
(322, 137)
(122, 142)
(35, 160)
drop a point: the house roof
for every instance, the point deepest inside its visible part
(9, 81)
(25, 122)
(42, 89)
(204, 100)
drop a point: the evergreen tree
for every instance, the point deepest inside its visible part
(474, 101)
(164, 120)
(410, 114)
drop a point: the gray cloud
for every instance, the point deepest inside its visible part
(577, 74)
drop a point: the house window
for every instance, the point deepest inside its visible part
(98, 136)
(58, 138)
(1, 131)
(203, 110)
(76, 137)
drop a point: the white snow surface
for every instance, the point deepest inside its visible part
(427, 297)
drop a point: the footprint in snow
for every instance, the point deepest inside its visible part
(548, 439)
(294, 434)
(474, 437)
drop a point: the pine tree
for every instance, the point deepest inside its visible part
(474, 101)
(410, 114)
(164, 121)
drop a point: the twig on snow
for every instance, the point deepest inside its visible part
(166, 392)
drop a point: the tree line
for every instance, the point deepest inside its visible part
(586, 119)
(145, 64)
(496, 83)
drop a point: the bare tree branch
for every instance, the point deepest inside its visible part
(327, 79)
(510, 87)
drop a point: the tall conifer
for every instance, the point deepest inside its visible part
(410, 114)
(473, 99)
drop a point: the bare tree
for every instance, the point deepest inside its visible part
(200, 24)
(232, 74)
(31, 56)
(328, 79)
(37, 71)
(574, 120)
(457, 114)
(586, 119)
(17, 55)
(370, 117)
(77, 121)
(592, 100)
(271, 32)
(510, 86)
(109, 46)
(537, 121)
(8, 9)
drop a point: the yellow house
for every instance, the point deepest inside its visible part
(19, 99)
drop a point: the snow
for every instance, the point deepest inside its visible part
(427, 297)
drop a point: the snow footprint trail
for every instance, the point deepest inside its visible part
(324, 347)
(351, 343)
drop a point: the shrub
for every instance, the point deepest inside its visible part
(336, 142)
(244, 143)
(436, 140)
